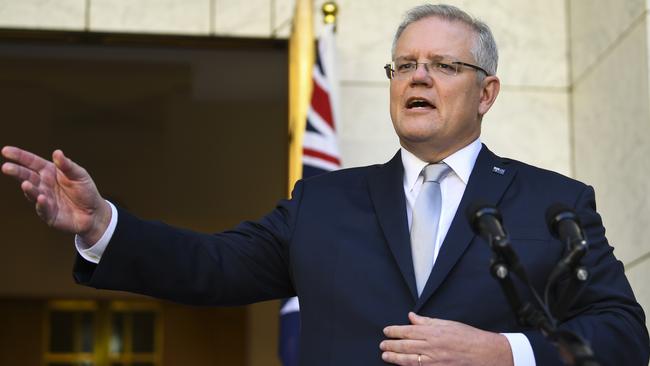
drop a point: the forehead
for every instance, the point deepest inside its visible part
(435, 36)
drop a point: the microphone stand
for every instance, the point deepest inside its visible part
(579, 274)
(574, 351)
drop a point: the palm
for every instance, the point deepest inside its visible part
(68, 201)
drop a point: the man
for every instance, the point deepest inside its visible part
(351, 245)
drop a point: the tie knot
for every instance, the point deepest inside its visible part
(435, 172)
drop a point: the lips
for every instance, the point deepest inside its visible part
(419, 103)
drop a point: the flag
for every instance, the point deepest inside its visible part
(320, 154)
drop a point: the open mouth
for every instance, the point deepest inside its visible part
(419, 103)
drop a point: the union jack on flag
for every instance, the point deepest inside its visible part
(320, 154)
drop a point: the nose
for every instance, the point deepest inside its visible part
(421, 75)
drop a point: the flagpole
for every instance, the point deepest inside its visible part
(301, 61)
(330, 10)
(314, 151)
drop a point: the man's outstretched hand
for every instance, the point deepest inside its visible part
(64, 194)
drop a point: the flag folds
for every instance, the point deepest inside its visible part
(320, 151)
(320, 154)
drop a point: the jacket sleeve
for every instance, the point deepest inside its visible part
(605, 312)
(247, 264)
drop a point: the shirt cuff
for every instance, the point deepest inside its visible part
(93, 252)
(522, 351)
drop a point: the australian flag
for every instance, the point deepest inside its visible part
(320, 154)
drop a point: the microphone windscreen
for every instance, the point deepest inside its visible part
(556, 213)
(477, 210)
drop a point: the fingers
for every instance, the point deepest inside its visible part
(24, 158)
(418, 330)
(71, 169)
(21, 173)
(409, 344)
(30, 191)
(405, 332)
(420, 320)
(42, 206)
(44, 210)
(404, 359)
(404, 346)
(36, 164)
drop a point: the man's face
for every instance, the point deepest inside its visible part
(450, 117)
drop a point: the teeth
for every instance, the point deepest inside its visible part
(416, 103)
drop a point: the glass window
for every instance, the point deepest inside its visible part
(87, 330)
(96, 333)
(117, 333)
(143, 332)
(62, 331)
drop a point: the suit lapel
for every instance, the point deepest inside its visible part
(387, 194)
(487, 183)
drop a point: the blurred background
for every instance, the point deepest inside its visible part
(169, 103)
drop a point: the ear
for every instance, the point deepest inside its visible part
(490, 87)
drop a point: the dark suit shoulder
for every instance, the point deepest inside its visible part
(359, 176)
(546, 179)
(348, 176)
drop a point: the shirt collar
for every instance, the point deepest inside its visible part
(461, 162)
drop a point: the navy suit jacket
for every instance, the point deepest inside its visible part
(341, 243)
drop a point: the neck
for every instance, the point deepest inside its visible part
(432, 152)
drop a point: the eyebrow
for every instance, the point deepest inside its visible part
(430, 57)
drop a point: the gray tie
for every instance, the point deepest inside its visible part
(424, 228)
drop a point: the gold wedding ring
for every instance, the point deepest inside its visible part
(419, 360)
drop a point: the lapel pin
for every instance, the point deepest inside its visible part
(500, 171)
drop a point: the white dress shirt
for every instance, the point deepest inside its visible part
(452, 188)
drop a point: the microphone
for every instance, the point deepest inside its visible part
(563, 223)
(486, 222)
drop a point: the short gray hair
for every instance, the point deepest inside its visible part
(484, 50)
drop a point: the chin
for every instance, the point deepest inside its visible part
(417, 137)
(418, 132)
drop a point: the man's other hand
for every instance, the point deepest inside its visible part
(443, 342)
(64, 194)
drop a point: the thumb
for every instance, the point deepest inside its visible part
(68, 167)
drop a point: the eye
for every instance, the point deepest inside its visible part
(405, 66)
(445, 67)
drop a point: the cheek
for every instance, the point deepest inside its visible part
(393, 93)
(395, 100)
(455, 103)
